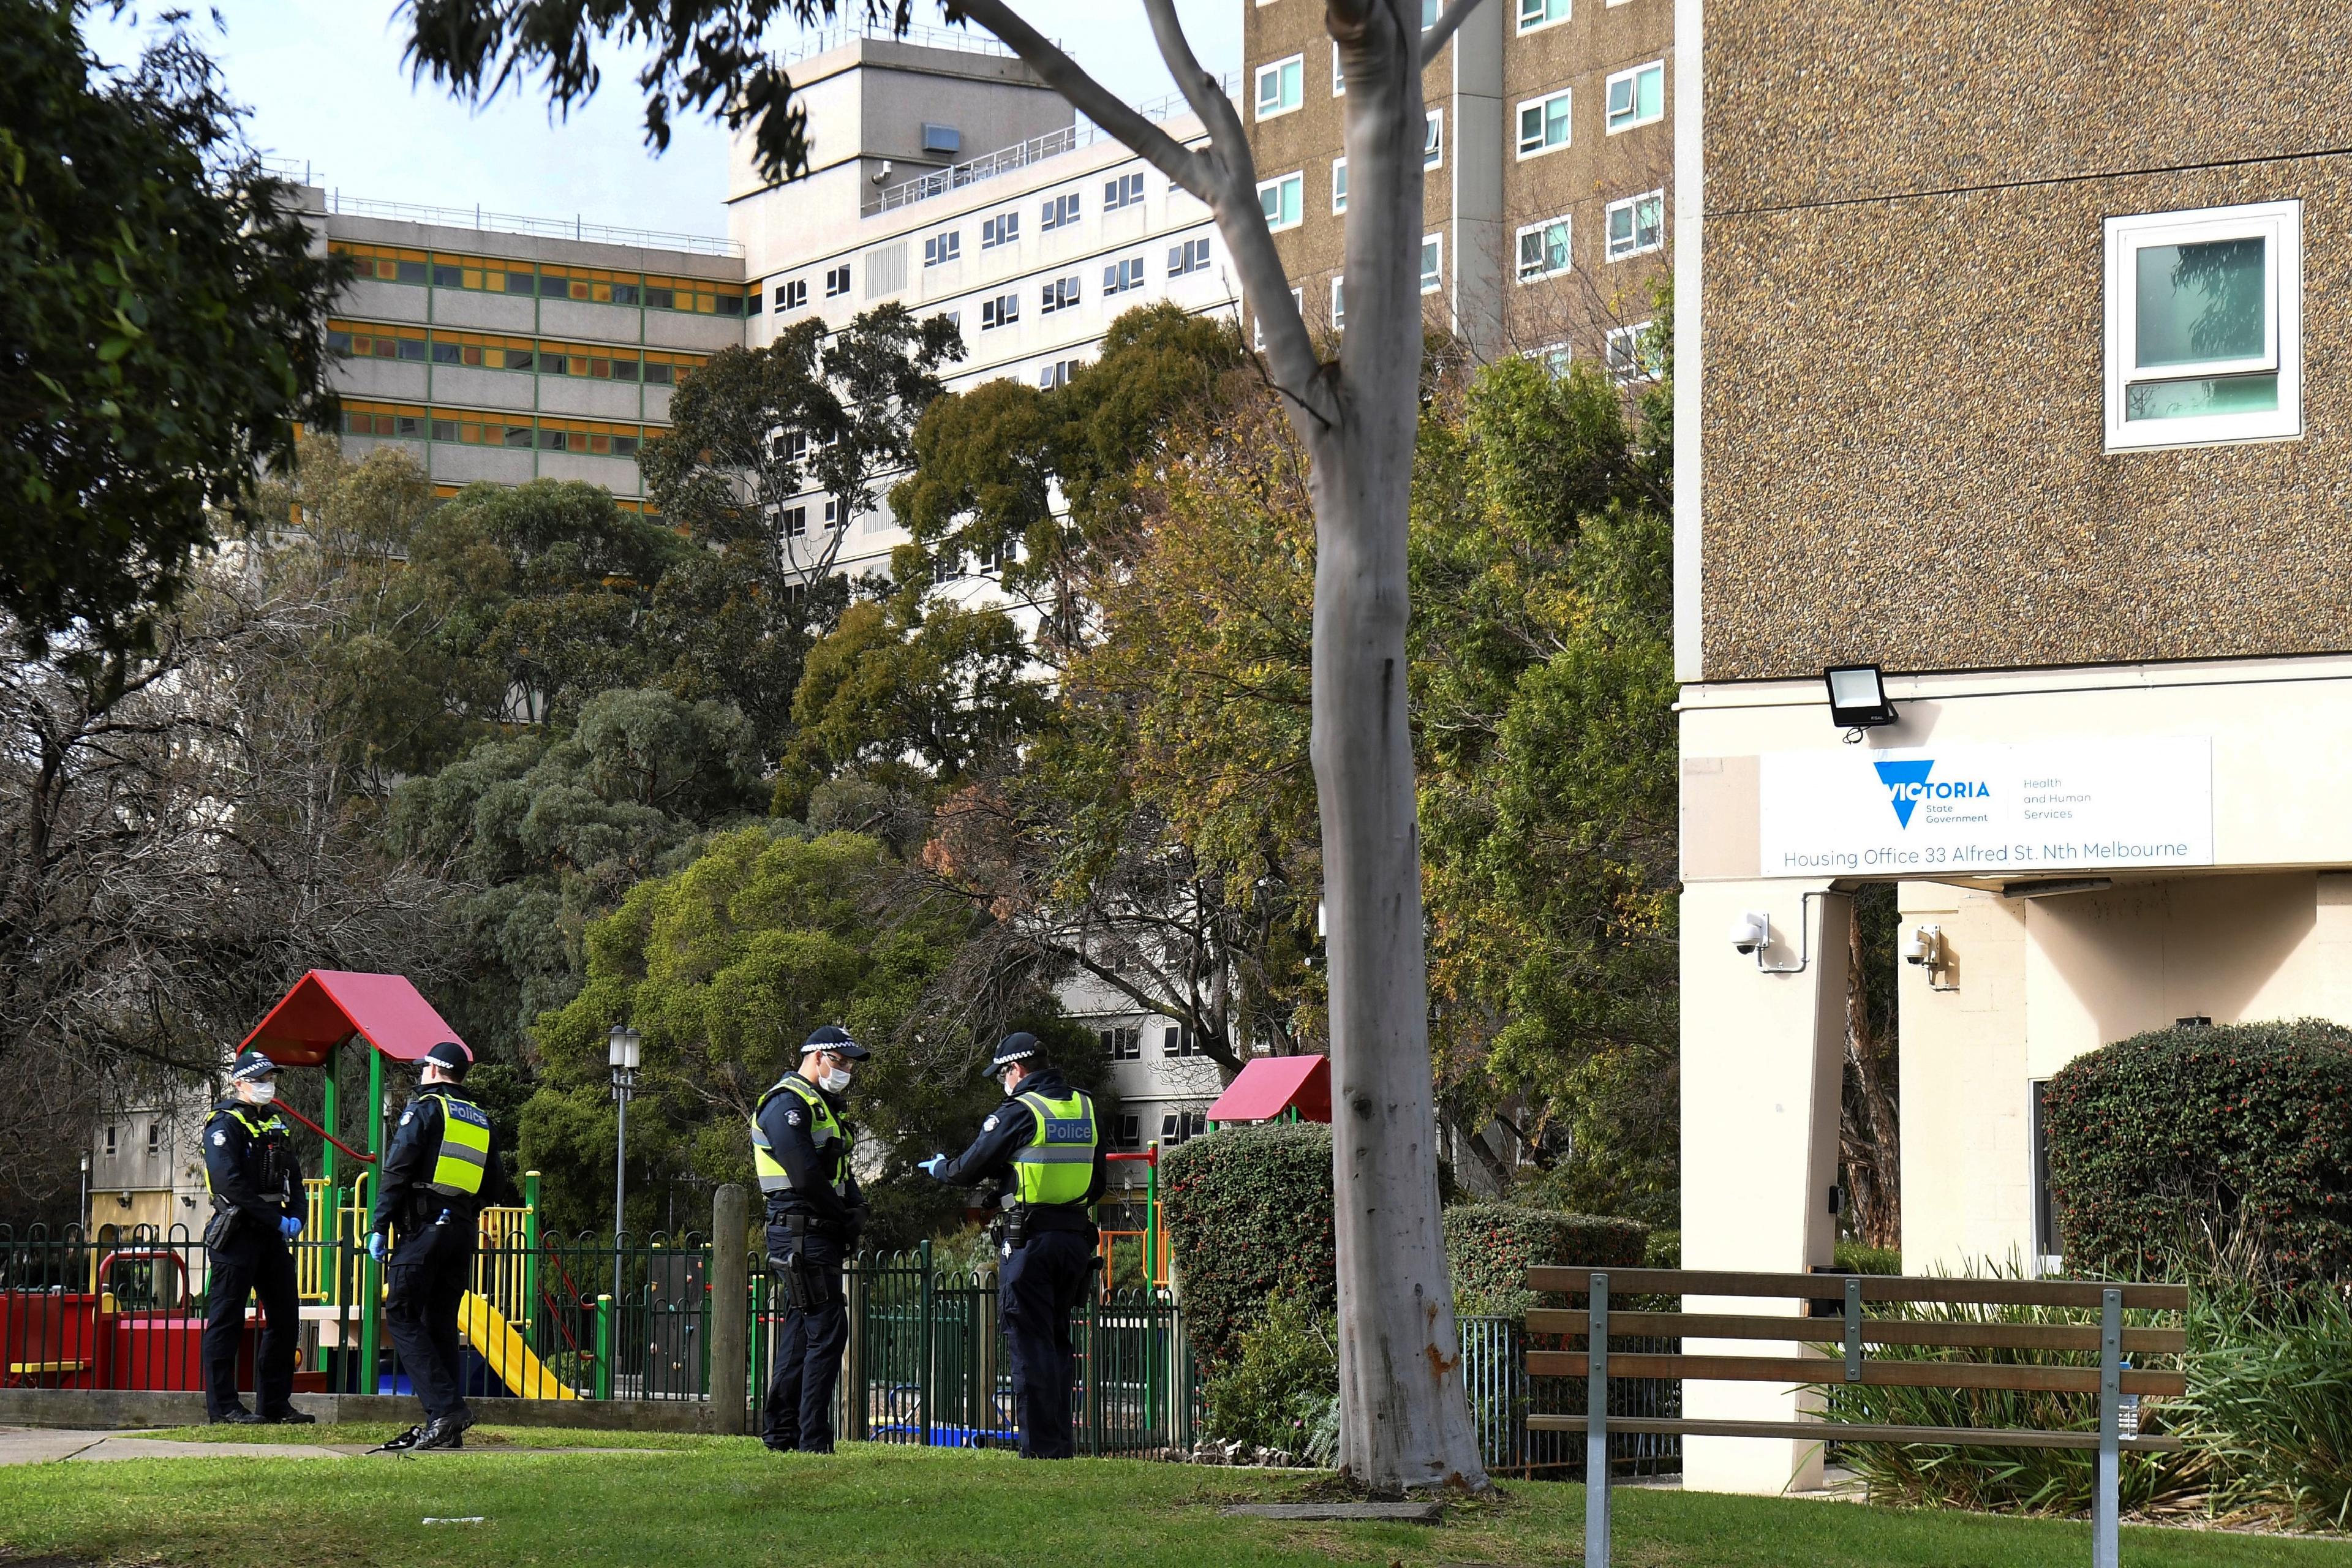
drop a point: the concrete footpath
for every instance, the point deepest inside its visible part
(44, 1446)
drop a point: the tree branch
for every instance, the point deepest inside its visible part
(1449, 21)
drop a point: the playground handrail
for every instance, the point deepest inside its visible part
(363, 1159)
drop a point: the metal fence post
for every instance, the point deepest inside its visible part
(731, 1294)
(2105, 1550)
(1596, 1426)
(925, 1338)
(603, 1347)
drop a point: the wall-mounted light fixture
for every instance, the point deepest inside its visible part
(1858, 699)
(1924, 945)
(1751, 932)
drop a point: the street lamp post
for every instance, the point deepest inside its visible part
(83, 1216)
(621, 1051)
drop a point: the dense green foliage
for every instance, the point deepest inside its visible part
(2269, 1411)
(1248, 1212)
(1278, 1391)
(2189, 1144)
(1489, 1248)
(162, 323)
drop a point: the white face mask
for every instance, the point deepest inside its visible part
(835, 1081)
(260, 1093)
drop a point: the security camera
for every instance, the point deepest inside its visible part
(1751, 930)
(1924, 944)
(881, 176)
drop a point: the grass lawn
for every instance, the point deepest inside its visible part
(726, 1502)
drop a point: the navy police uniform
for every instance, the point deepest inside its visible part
(801, 1154)
(257, 1189)
(440, 1172)
(1045, 1145)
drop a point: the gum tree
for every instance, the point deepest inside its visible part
(1406, 1421)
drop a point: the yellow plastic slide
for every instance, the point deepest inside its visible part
(487, 1331)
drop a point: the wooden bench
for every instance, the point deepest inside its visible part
(1836, 1302)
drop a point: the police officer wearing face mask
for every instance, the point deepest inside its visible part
(257, 1192)
(1046, 1142)
(441, 1171)
(800, 1150)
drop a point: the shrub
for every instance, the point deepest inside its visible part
(1282, 1381)
(1248, 1212)
(1489, 1248)
(1853, 1258)
(2201, 1142)
(2270, 1404)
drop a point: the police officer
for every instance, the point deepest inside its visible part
(440, 1172)
(800, 1150)
(257, 1192)
(1044, 1139)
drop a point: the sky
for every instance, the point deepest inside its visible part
(324, 81)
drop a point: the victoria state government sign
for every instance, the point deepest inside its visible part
(1943, 811)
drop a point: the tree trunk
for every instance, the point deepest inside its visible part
(1404, 1419)
(1869, 1136)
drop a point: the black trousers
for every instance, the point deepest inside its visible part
(1038, 1286)
(425, 1280)
(799, 1409)
(254, 1261)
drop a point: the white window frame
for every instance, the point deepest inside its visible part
(941, 248)
(1001, 228)
(1182, 256)
(1433, 282)
(1339, 73)
(796, 294)
(1633, 118)
(1000, 310)
(1564, 97)
(1055, 295)
(1274, 224)
(1554, 358)
(1338, 302)
(2280, 225)
(1568, 252)
(1567, 10)
(1631, 368)
(1433, 141)
(1338, 185)
(1121, 191)
(837, 281)
(1286, 101)
(1633, 204)
(1116, 277)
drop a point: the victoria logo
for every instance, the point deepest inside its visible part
(1907, 784)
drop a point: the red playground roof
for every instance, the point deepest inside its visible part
(327, 1007)
(1269, 1086)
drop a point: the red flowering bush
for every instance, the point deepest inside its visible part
(2229, 1146)
(1248, 1212)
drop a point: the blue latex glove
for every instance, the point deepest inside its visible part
(375, 1246)
(290, 1227)
(933, 1166)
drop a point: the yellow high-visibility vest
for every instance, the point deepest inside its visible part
(465, 1157)
(1058, 1163)
(825, 1132)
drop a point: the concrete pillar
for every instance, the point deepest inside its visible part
(1762, 1057)
(731, 1299)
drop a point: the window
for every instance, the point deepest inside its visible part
(1121, 275)
(1055, 375)
(1338, 74)
(1339, 185)
(383, 264)
(1190, 256)
(795, 520)
(1281, 87)
(154, 1139)
(1543, 124)
(1126, 191)
(1428, 15)
(1433, 140)
(1123, 1044)
(1058, 211)
(753, 301)
(831, 515)
(1126, 1132)
(1002, 229)
(1631, 358)
(1543, 249)
(1433, 263)
(109, 1141)
(1182, 1127)
(2204, 330)
(1060, 294)
(837, 281)
(1278, 200)
(1637, 97)
(1339, 303)
(1553, 357)
(793, 446)
(1636, 224)
(2049, 1251)
(942, 249)
(1534, 13)
(1001, 311)
(1178, 1040)
(793, 296)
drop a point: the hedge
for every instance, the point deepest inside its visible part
(2189, 1147)
(1248, 1212)
(1490, 1248)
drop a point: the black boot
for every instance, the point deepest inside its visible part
(446, 1432)
(236, 1415)
(289, 1417)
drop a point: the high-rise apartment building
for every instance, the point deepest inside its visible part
(509, 350)
(1549, 155)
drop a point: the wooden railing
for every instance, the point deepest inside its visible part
(1839, 1320)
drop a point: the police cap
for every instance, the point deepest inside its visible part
(451, 1057)
(252, 1066)
(834, 1039)
(1018, 1047)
